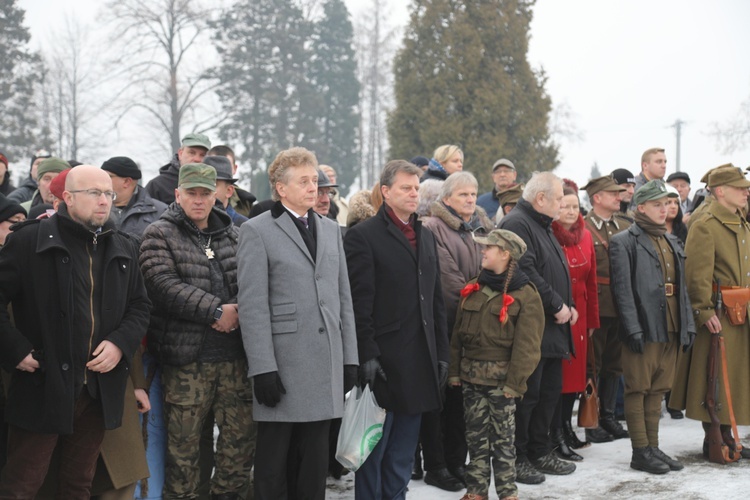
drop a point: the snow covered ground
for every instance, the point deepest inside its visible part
(605, 473)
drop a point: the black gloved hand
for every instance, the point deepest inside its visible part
(350, 377)
(369, 371)
(635, 343)
(267, 388)
(691, 340)
(442, 375)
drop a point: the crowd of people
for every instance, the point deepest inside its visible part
(476, 320)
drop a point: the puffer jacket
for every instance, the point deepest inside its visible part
(178, 280)
(163, 185)
(459, 255)
(547, 267)
(487, 352)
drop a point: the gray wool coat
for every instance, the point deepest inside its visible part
(296, 315)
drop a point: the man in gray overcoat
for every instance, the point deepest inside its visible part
(298, 330)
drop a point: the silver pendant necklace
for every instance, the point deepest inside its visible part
(208, 250)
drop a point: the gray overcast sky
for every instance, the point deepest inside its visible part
(626, 70)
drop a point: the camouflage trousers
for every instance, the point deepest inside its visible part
(490, 432)
(190, 392)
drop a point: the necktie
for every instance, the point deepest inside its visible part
(303, 220)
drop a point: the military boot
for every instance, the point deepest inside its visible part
(671, 462)
(607, 401)
(571, 438)
(598, 435)
(644, 460)
(561, 448)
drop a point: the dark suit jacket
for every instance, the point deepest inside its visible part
(399, 311)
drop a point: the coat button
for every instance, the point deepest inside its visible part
(321, 330)
(65, 367)
(425, 322)
(421, 297)
(65, 260)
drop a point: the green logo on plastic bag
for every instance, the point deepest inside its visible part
(370, 439)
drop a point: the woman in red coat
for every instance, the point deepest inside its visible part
(578, 246)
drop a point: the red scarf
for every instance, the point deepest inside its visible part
(569, 237)
(407, 229)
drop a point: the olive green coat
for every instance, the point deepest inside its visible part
(487, 352)
(718, 247)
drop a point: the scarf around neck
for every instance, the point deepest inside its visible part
(649, 227)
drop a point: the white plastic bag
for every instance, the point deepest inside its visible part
(361, 428)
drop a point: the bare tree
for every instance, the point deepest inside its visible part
(735, 134)
(375, 50)
(160, 47)
(72, 98)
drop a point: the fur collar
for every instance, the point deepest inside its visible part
(454, 222)
(569, 237)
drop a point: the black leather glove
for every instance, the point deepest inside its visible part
(369, 371)
(442, 375)
(635, 343)
(267, 389)
(350, 377)
(691, 339)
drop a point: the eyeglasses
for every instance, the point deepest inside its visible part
(96, 193)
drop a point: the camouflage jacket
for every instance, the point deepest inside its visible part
(486, 352)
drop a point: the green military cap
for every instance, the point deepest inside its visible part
(195, 175)
(705, 177)
(652, 190)
(510, 195)
(196, 140)
(727, 176)
(51, 164)
(504, 239)
(605, 183)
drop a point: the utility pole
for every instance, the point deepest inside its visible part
(677, 126)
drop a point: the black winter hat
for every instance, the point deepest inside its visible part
(122, 166)
(420, 161)
(622, 176)
(8, 208)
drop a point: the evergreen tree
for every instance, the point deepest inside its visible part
(595, 172)
(463, 78)
(18, 121)
(333, 76)
(262, 75)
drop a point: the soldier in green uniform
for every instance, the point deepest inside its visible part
(718, 249)
(605, 220)
(648, 285)
(495, 347)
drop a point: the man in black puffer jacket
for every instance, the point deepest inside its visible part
(546, 266)
(189, 264)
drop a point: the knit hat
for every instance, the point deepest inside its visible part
(194, 175)
(3, 158)
(623, 176)
(504, 239)
(57, 186)
(122, 166)
(420, 161)
(51, 164)
(9, 208)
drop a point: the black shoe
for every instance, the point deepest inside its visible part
(527, 473)
(644, 460)
(613, 427)
(571, 438)
(671, 462)
(675, 414)
(561, 449)
(550, 464)
(459, 473)
(416, 471)
(598, 435)
(443, 479)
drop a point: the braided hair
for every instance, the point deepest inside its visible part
(512, 265)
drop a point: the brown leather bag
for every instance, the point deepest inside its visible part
(735, 304)
(588, 404)
(588, 407)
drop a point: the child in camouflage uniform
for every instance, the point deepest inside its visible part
(496, 345)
